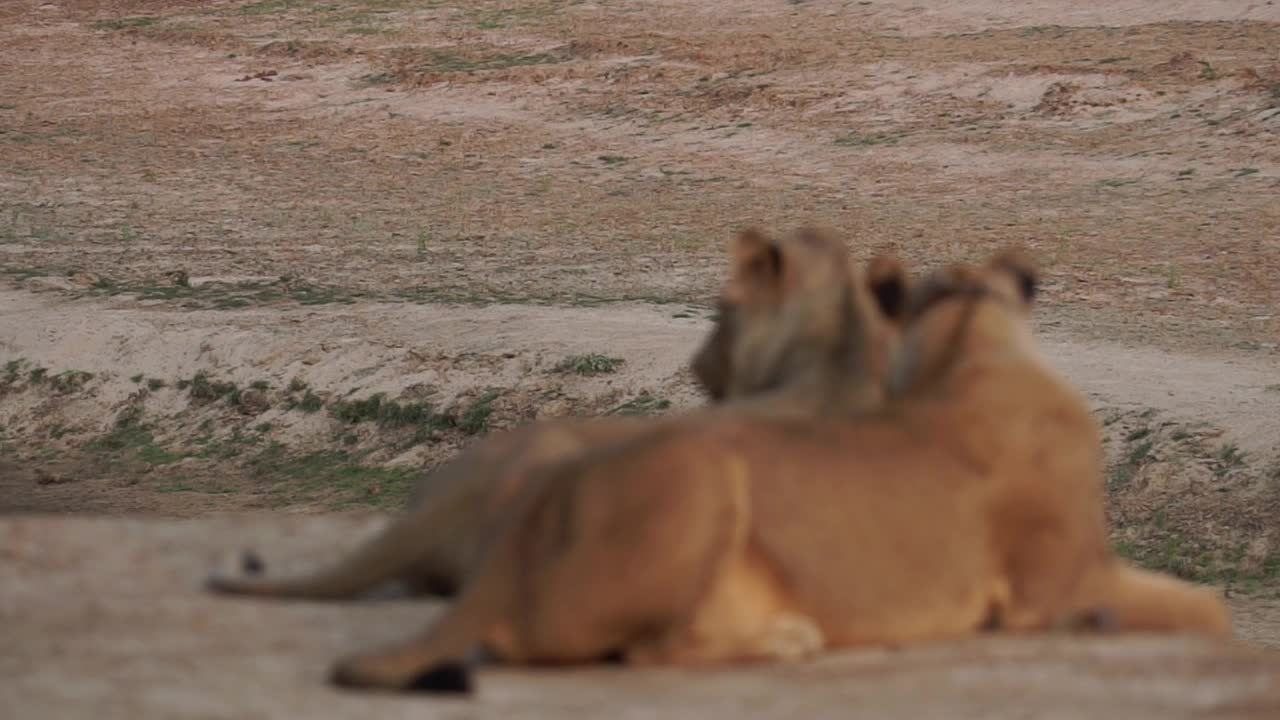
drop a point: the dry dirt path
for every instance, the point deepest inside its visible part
(103, 620)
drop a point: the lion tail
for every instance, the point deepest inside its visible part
(1142, 601)
(387, 556)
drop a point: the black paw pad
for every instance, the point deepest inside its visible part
(452, 678)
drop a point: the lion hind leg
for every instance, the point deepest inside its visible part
(438, 658)
(537, 599)
(745, 617)
(785, 638)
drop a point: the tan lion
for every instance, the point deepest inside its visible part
(775, 328)
(972, 501)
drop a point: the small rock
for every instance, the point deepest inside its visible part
(44, 477)
(253, 402)
(84, 279)
(49, 283)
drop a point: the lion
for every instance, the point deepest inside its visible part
(773, 330)
(1048, 521)
(972, 500)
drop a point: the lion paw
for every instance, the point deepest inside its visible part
(792, 637)
(394, 672)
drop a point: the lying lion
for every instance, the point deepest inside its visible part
(972, 501)
(777, 327)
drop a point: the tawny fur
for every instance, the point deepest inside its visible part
(974, 497)
(778, 327)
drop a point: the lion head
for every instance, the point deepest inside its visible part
(796, 307)
(965, 312)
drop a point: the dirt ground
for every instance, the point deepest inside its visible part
(95, 645)
(277, 257)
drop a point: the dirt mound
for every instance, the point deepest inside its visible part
(129, 408)
(1186, 499)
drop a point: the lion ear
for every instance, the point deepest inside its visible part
(1018, 262)
(756, 258)
(887, 280)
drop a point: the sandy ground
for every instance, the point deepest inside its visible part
(222, 224)
(89, 636)
(585, 152)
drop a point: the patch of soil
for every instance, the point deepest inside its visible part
(583, 153)
(1186, 499)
